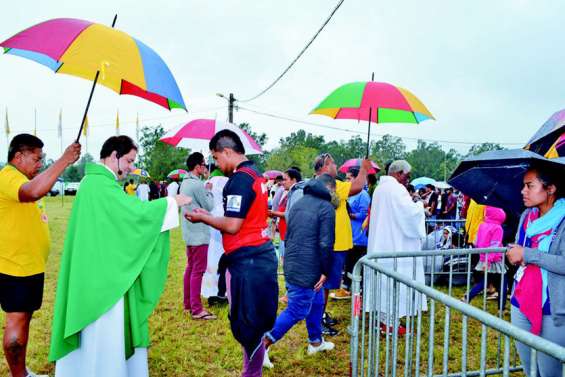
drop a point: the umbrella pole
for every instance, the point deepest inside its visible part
(92, 91)
(87, 105)
(369, 131)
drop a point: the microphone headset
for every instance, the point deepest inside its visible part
(118, 155)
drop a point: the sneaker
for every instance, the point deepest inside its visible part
(32, 374)
(324, 346)
(340, 294)
(329, 331)
(266, 361)
(217, 301)
(492, 296)
(328, 320)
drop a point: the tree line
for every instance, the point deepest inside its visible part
(300, 148)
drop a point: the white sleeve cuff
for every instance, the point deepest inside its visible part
(171, 219)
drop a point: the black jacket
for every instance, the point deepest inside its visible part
(310, 236)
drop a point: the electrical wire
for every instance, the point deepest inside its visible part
(298, 57)
(290, 119)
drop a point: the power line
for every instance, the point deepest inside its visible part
(298, 57)
(290, 119)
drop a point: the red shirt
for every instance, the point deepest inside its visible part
(246, 197)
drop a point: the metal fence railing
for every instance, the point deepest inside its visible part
(450, 337)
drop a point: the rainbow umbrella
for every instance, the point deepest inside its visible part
(376, 102)
(99, 53)
(177, 174)
(356, 163)
(141, 173)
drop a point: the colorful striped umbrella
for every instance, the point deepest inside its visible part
(99, 53)
(549, 140)
(141, 173)
(196, 135)
(177, 174)
(376, 102)
(356, 163)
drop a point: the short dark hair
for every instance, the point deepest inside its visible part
(430, 186)
(23, 143)
(410, 188)
(353, 171)
(226, 139)
(327, 180)
(296, 168)
(294, 174)
(372, 179)
(551, 177)
(320, 161)
(121, 144)
(193, 160)
(279, 178)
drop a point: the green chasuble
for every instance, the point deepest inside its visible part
(113, 248)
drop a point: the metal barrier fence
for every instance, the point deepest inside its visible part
(481, 346)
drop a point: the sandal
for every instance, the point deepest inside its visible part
(204, 316)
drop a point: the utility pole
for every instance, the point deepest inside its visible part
(231, 100)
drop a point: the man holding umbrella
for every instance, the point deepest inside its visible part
(24, 241)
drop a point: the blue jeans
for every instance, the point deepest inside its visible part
(303, 303)
(547, 365)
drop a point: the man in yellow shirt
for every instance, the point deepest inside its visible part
(24, 240)
(325, 164)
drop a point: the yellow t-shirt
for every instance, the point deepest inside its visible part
(475, 216)
(343, 233)
(130, 189)
(24, 239)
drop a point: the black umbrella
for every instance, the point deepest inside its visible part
(495, 177)
(548, 133)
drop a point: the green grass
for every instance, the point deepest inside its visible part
(181, 346)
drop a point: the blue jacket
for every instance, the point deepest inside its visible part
(359, 207)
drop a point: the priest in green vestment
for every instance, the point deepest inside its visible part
(113, 271)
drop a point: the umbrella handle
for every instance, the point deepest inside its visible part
(87, 105)
(369, 131)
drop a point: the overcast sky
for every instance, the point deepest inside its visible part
(489, 71)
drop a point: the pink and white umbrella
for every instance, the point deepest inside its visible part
(196, 134)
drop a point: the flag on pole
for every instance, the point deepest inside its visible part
(7, 125)
(137, 128)
(118, 123)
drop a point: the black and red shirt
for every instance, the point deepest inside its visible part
(246, 197)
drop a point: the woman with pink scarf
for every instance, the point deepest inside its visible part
(538, 300)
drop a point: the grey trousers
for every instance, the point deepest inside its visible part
(547, 366)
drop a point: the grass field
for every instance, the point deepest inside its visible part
(181, 346)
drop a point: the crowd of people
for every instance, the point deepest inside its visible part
(150, 189)
(110, 279)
